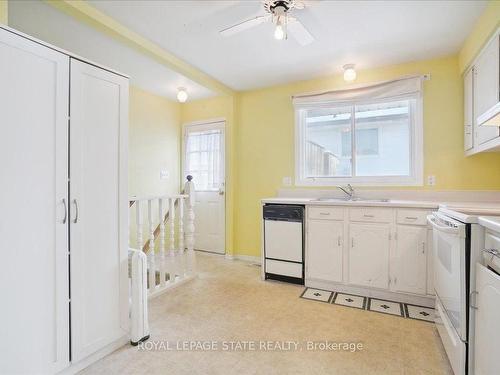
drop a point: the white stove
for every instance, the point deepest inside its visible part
(458, 242)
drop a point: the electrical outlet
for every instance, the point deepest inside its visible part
(287, 181)
(164, 174)
(431, 180)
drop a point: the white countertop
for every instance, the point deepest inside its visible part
(360, 203)
(490, 222)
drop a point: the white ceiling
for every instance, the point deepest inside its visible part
(44, 22)
(367, 33)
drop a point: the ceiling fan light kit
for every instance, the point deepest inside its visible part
(278, 12)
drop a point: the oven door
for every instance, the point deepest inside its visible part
(449, 269)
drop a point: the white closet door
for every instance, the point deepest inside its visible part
(34, 314)
(98, 209)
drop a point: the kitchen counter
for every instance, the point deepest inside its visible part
(355, 203)
(490, 222)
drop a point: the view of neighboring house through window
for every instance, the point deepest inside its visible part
(358, 142)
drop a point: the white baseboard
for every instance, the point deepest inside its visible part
(245, 258)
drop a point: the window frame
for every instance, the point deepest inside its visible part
(416, 177)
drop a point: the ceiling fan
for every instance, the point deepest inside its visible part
(279, 13)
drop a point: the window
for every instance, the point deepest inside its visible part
(204, 156)
(367, 141)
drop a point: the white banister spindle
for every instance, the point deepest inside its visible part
(172, 253)
(189, 190)
(151, 252)
(161, 218)
(138, 223)
(182, 253)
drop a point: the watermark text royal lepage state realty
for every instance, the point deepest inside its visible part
(250, 345)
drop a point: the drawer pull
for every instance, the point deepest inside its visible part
(368, 215)
(411, 218)
(324, 213)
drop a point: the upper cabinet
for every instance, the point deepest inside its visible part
(468, 110)
(481, 92)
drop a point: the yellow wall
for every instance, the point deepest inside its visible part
(4, 12)
(154, 144)
(216, 108)
(485, 26)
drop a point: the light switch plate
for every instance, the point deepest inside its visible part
(287, 181)
(431, 180)
(164, 174)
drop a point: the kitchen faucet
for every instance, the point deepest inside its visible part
(349, 190)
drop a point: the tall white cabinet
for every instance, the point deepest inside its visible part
(63, 228)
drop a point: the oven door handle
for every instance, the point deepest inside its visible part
(432, 221)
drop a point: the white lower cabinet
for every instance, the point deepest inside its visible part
(383, 248)
(410, 260)
(369, 255)
(324, 250)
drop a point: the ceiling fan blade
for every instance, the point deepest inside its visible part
(299, 32)
(302, 4)
(244, 25)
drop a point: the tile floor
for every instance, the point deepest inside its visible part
(228, 302)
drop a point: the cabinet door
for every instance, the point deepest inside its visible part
(486, 87)
(369, 255)
(34, 90)
(99, 220)
(487, 324)
(324, 250)
(411, 260)
(430, 262)
(468, 110)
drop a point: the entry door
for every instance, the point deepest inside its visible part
(34, 84)
(98, 208)
(204, 160)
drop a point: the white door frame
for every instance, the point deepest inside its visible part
(215, 123)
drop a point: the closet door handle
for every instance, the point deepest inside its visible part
(65, 211)
(76, 212)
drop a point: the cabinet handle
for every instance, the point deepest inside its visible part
(368, 215)
(76, 212)
(472, 306)
(338, 240)
(411, 218)
(423, 247)
(65, 211)
(352, 241)
(324, 213)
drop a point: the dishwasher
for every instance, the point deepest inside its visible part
(284, 242)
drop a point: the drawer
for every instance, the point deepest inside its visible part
(372, 215)
(415, 217)
(326, 213)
